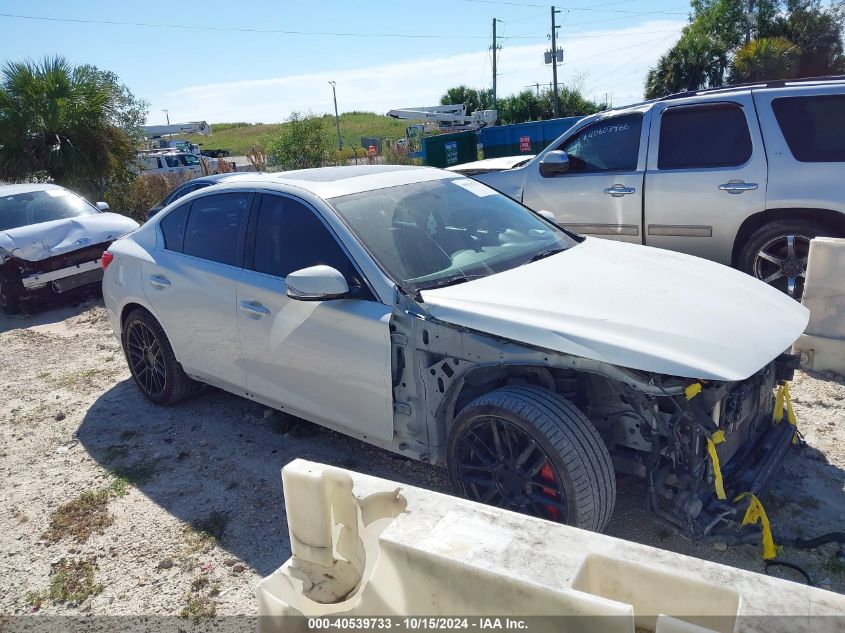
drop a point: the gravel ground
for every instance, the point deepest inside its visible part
(164, 479)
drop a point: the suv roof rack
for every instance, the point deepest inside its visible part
(775, 83)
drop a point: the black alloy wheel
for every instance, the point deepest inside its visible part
(499, 464)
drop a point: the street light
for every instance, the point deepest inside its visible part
(167, 114)
(336, 117)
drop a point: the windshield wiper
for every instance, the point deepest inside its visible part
(450, 281)
(546, 253)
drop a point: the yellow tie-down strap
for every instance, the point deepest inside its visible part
(717, 438)
(754, 513)
(784, 399)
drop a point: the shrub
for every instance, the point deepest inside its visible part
(135, 196)
(301, 143)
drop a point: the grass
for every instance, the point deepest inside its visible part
(238, 137)
(137, 474)
(70, 581)
(834, 565)
(80, 518)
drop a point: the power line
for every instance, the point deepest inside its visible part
(254, 30)
(594, 8)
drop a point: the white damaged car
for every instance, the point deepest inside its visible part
(428, 314)
(51, 241)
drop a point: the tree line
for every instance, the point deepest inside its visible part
(725, 44)
(528, 105)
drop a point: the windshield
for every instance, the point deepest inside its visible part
(34, 207)
(434, 233)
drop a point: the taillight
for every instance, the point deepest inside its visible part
(107, 259)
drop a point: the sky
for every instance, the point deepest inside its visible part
(259, 61)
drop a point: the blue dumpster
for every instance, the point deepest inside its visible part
(522, 138)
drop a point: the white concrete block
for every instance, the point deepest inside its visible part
(400, 550)
(822, 347)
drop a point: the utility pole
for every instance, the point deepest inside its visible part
(495, 50)
(167, 114)
(555, 104)
(336, 117)
(748, 19)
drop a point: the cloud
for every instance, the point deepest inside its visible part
(608, 61)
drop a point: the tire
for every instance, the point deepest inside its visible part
(10, 296)
(158, 374)
(576, 475)
(766, 255)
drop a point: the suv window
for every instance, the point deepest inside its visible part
(289, 236)
(216, 225)
(173, 228)
(607, 145)
(712, 135)
(814, 127)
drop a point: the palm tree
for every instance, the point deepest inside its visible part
(63, 120)
(764, 58)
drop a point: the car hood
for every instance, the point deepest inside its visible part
(631, 306)
(491, 164)
(48, 239)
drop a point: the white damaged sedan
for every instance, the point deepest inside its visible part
(428, 314)
(51, 241)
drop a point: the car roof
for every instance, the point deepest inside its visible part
(10, 190)
(331, 182)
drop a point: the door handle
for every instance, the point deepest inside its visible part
(254, 310)
(617, 191)
(159, 282)
(738, 186)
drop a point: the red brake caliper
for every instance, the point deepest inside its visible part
(547, 474)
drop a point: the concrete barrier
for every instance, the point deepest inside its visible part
(822, 346)
(363, 546)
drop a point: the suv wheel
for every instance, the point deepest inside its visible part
(776, 253)
(529, 450)
(151, 360)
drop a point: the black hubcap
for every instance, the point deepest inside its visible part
(498, 463)
(782, 262)
(146, 360)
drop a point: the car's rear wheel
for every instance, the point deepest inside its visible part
(151, 360)
(529, 450)
(777, 253)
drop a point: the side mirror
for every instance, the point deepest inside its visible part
(103, 206)
(548, 215)
(316, 283)
(553, 163)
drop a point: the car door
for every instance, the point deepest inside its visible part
(327, 361)
(706, 174)
(601, 192)
(191, 285)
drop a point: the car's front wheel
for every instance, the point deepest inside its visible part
(10, 300)
(153, 364)
(530, 450)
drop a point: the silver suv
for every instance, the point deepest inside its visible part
(745, 176)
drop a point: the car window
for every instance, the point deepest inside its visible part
(607, 145)
(35, 207)
(428, 234)
(182, 191)
(215, 227)
(712, 135)
(814, 127)
(173, 228)
(172, 161)
(190, 159)
(289, 236)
